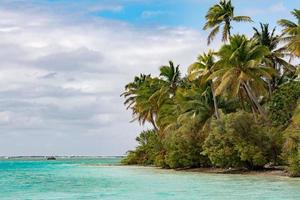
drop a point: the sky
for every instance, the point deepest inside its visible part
(64, 64)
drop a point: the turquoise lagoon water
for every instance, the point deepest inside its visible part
(80, 179)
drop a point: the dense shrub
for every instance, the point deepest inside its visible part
(291, 148)
(238, 140)
(179, 149)
(283, 103)
(184, 150)
(149, 147)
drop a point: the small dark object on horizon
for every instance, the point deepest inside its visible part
(51, 158)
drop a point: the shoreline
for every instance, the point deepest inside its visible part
(241, 171)
(275, 171)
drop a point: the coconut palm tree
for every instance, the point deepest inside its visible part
(194, 104)
(240, 71)
(275, 59)
(220, 16)
(291, 31)
(169, 81)
(201, 70)
(137, 97)
(190, 104)
(171, 75)
(131, 89)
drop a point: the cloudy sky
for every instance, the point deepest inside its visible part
(64, 63)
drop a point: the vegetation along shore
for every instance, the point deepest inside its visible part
(237, 107)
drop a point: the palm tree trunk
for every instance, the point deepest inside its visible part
(229, 28)
(252, 105)
(254, 100)
(215, 102)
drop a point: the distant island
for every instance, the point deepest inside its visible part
(237, 108)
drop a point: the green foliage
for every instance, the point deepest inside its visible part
(240, 71)
(252, 75)
(291, 148)
(219, 146)
(138, 97)
(149, 148)
(184, 147)
(291, 31)
(238, 140)
(220, 16)
(171, 75)
(276, 58)
(283, 103)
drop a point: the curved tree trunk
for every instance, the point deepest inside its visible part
(254, 100)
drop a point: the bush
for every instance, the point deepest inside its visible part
(291, 148)
(283, 103)
(183, 144)
(238, 140)
(185, 150)
(219, 146)
(148, 149)
(132, 158)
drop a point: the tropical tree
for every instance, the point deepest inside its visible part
(171, 75)
(239, 70)
(170, 80)
(191, 104)
(201, 70)
(220, 16)
(275, 59)
(194, 103)
(138, 94)
(291, 31)
(131, 90)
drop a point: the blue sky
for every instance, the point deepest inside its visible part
(191, 13)
(64, 65)
(188, 13)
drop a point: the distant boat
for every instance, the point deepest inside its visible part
(51, 158)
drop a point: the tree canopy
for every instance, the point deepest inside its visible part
(238, 106)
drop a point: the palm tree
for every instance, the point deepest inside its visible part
(221, 15)
(131, 90)
(201, 70)
(291, 31)
(190, 104)
(240, 72)
(171, 75)
(194, 103)
(275, 59)
(169, 81)
(137, 97)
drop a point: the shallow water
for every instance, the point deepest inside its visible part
(77, 179)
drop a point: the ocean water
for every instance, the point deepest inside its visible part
(103, 178)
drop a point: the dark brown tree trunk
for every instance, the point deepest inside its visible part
(229, 28)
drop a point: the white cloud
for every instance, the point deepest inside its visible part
(273, 8)
(61, 77)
